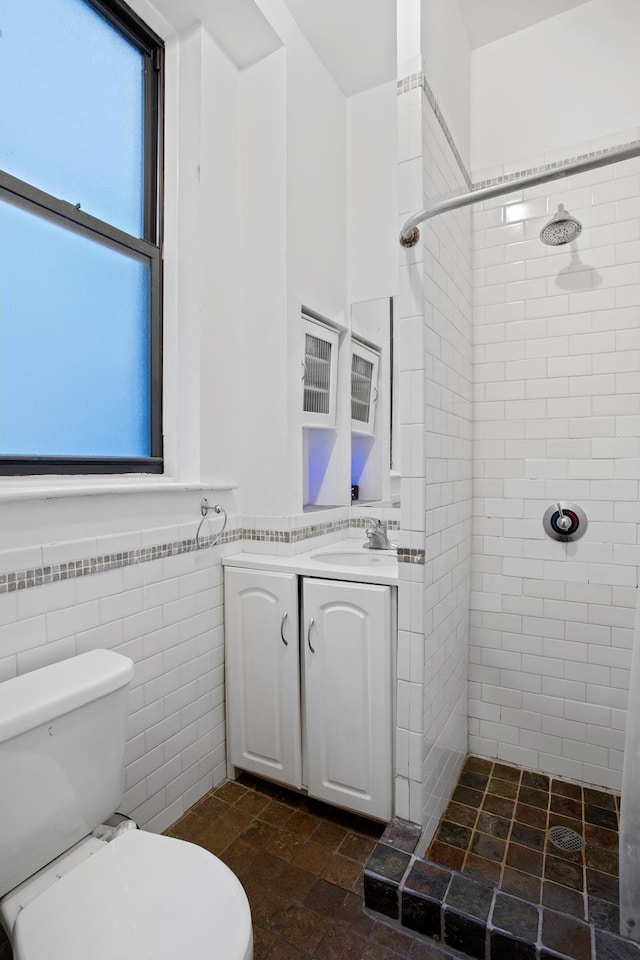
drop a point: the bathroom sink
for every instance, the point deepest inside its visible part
(356, 558)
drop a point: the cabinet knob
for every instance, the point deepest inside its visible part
(282, 623)
(311, 622)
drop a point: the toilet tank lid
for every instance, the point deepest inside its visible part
(35, 698)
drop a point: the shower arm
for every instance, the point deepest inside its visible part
(409, 235)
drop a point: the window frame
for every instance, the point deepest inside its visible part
(148, 248)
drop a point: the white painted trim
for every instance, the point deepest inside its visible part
(49, 488)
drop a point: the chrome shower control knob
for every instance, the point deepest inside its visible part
(565, 521)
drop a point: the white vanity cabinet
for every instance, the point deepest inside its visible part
(347, 694)
(263, 673)
(316, 712)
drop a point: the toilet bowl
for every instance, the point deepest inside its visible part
(137, 896)
(124, 893)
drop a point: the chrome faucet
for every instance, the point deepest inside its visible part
(377, 538)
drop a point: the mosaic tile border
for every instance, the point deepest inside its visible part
(410, 555)
(412, 82)
(509, 177)
(418, 80)
(71, 569)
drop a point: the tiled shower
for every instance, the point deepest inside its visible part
(555, 412)
(556, 416)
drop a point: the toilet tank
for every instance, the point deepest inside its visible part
(62, 736)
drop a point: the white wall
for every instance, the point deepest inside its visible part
(557, 416)
(259, 186)
(291, 251)
(570, 79)
(408, 14)
(316, 183)
(448, 472)
(446, 53)
(316, 171)
(372, 193)
(217, 181)
(434, 308)
(261, 415)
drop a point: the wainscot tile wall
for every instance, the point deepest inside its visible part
(154, 597)
(557, 417)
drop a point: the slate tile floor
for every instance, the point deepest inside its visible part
(493, 834)
(495, 830)
(301, 863)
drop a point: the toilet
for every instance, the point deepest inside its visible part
(73, 887)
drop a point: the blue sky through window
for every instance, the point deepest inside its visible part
(72, 106)
(74, 343)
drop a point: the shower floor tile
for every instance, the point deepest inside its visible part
(496, 830)
(501, 828)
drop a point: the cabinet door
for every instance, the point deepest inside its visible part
(263, 673)
(347, 684)
(364, 387)
(320, 375)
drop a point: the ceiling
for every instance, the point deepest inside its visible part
(489, 20)
(356, 39)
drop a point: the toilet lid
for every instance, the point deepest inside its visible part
(140, 897)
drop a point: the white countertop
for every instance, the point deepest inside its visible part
(381, 566)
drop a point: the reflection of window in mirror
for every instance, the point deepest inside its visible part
(374, 402)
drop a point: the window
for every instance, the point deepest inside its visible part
(80, 256)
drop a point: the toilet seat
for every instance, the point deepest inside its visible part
(140, 897)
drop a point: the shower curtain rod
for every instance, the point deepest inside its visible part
(409, 235)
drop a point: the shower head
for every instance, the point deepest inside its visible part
(562, 228)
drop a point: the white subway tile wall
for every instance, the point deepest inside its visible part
(435, 361)
(167, 615)
(557, 417)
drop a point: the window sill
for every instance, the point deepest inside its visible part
(49, 488)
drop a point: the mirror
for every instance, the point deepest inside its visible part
(375, 467)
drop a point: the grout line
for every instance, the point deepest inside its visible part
(545, 847)
(510, 831)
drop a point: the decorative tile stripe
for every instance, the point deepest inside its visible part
(508, 177)
(412, 82)
(317, 530)
(409, 555)
(362, 522)
(69, 570)
(309, 532)
(419, 80)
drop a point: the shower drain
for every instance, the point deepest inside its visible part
(565, 838)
